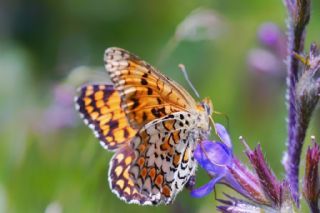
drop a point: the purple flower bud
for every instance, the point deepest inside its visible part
(272, 37)
(242, 180)
(311, 184)
(269, 183)
(269, 34)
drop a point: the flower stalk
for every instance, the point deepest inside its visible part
(299, 15)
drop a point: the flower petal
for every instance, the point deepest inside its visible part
(213, 156)
(223, 134)
(204, 162)
(205, 189)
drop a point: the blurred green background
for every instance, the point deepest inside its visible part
(51, 162)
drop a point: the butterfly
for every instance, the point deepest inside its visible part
(151, 123)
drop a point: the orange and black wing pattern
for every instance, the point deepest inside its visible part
(146, 94)
(120, 181)
(99, 106)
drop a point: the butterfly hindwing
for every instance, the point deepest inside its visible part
(120, 181)
(99, 105)
(146, 93)
(164, 156)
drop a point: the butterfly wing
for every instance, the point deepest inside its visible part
(163, 151)
(146, 94)
(99, 106)
(119, 180)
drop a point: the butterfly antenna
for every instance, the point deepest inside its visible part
(213, 125)
(223, 114)
(184, 71)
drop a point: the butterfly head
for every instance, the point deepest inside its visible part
(207, 106)
(205, 110)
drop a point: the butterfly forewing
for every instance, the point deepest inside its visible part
(99, 105)
(146, 93)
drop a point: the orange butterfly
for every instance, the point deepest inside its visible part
(151, 122)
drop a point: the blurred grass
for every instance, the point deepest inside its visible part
(42, 41)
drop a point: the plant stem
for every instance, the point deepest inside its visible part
(299, 13)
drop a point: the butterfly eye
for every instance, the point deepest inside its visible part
(208, 109)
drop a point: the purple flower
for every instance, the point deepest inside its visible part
(224, 168)
(260, 187)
